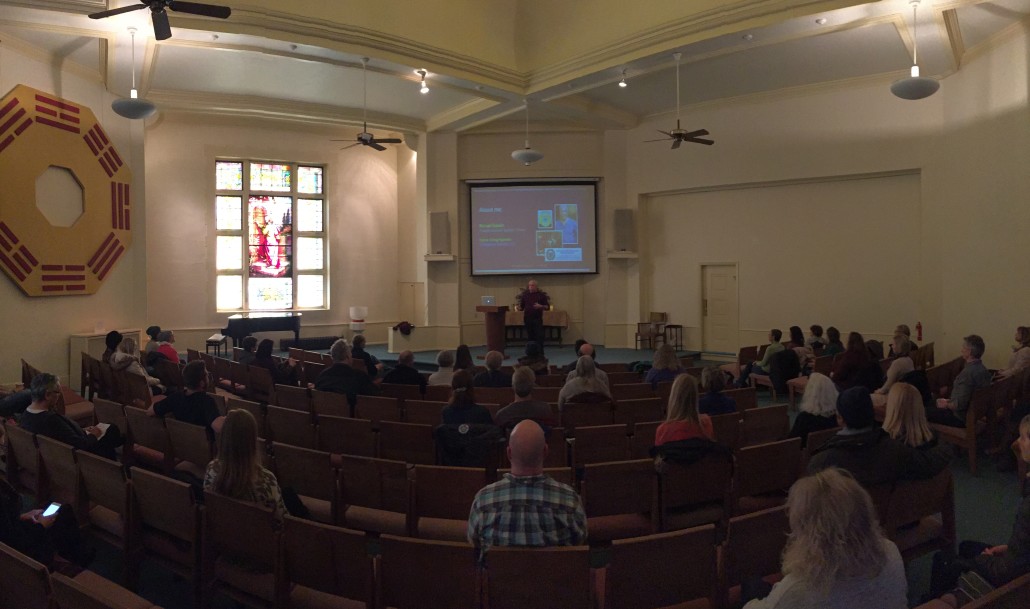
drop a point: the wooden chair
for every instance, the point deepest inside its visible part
(745, 397)
(405, 442)
(24, 583)
(979, 419)
(295, 398)
(330, 403)
(767, 424)
(240, 549)
(648, 572)
(551, 380)
(437, 393)
(495, 395)
(376, 409)
(136, 390)
(107, 411)
(642, 439)
(815, 441)
(763, 380)
(167, 523)
(286, 426)
(600, 444)
(253, 408)
(441, 500)
(310, 371)
(403, 392)
(423, 412)
(169, 372)
(560, 577)
(91, 591)
(107, 493)
(727, 429)
(150, 444)
(745, 356)
(765, 472)
(191, 447)
(346, 436)
(620, 499)
(24, 467)
(260, 385)
(624, 377)
(632, 391)
(944, 375)
(753, 548)
(325, 564)
(697, 493)
(310, 473)
(60, 473)
(639, 411)
(586, 414)
(928, 503)
(557, 450)
(374, 495)
(648, 334)
(412, 571)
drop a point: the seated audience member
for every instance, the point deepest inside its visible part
(165, 345)
(571, 366)
(833, 344)
(665, 366)
(237, 471)
(682, 420)
(713, 402)
(1020, 353)
(997, 564)
(41, 537)
(762, 366)
(818, 409)
(153, 343)
(193, 405)
(462, 407)
(902, 364)
(526, 507)
(534, 359)
(41, 418)
(284, 373)
(797, 338)
(493, 377)
(404, 373)
(855, 366)
(463, 358)
(127, 359)
(357, 351)
(524, 407)
(867, 452)
(905, 419)
(836, 555)
(952, 410)
(586, 349)
(112, 340)
(341, 378)
(249, 346)
(584, 379)
(14, 404)
(815, 338)
(444, 372)
(903, 330)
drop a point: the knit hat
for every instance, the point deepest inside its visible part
(856, 408)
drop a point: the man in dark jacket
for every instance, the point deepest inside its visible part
(493, 377)
(405, 372)
(341, 378)
(952, 411)
(867, 452)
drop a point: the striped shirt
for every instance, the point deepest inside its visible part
(527, 511)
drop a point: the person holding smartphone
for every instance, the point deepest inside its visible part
(47, 536)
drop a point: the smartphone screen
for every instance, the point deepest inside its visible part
(52, 509)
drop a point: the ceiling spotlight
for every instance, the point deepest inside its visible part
(748, 37)
(915, 86)
(821, 21)
(134, 107)
(622, 83)
(425, 87)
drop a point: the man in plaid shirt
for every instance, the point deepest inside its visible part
(527, 507)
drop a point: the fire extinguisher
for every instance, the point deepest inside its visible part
(919, 331)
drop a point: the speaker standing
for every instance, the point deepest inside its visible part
(533, 303)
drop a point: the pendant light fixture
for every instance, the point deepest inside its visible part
(133, 107)
(527, 156)
(424, 88)
(915, 86)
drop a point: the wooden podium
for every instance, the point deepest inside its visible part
(494, 326)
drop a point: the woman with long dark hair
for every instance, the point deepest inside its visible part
(462, 407)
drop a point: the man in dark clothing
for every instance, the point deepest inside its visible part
(525, 407)
(867, 452)
(952, 411)
(194, 405)
(357, 351)
(405, 373)
(40, 418)
(493, 377)
(341, 378)
(533, 303)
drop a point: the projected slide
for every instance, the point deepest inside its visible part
(533, 228)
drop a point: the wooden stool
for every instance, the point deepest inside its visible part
(217, 341)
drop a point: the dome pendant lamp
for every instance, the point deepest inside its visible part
(915, 86)
(527, 156)
(133, 108)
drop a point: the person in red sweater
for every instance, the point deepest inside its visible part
(165, 340)
(682, 421)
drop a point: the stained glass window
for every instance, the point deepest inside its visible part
(230, 292)
(270, 223)
(309, 180)
(228, 253)
(228, 175)
(269, 293)
(309, 253)
(310, 291)
(269, 177)
(228, 214)
(309, 215)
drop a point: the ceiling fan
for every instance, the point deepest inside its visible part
(365, 138)
(680, 135)
(163, 31)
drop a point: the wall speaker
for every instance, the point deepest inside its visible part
(439, 233)
(625, 231)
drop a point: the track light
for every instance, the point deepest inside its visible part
(622, 83)
(425, 87)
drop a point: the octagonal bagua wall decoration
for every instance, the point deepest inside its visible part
(38, 131)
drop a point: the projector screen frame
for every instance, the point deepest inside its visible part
(516, 182)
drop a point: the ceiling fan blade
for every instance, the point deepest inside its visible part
(116, 11)
(696, 133)
(207, 10)
(375, 144)
(348, 147)
(666, 133)
(389, 140)
(676, 144)
(664, 139)
(698, 140)
(162, 30)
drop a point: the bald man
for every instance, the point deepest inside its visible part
(405, 372)
(527, 507)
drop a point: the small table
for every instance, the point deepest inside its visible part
(217, 341)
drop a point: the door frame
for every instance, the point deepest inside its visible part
(701, 300)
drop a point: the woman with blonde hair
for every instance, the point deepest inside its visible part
(818, 408)
(237, 471)
(906, 418)
(901, 347)
(127, 359)
(1020, 353)
(682, 419)
(836, 557)
(666, 366)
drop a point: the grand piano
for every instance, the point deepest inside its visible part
(242, 325)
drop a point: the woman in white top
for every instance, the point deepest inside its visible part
(902, 363)
(836, 556)
(1020, 353)
(127, 359)
(444, 373)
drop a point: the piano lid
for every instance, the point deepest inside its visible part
(265, 315)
